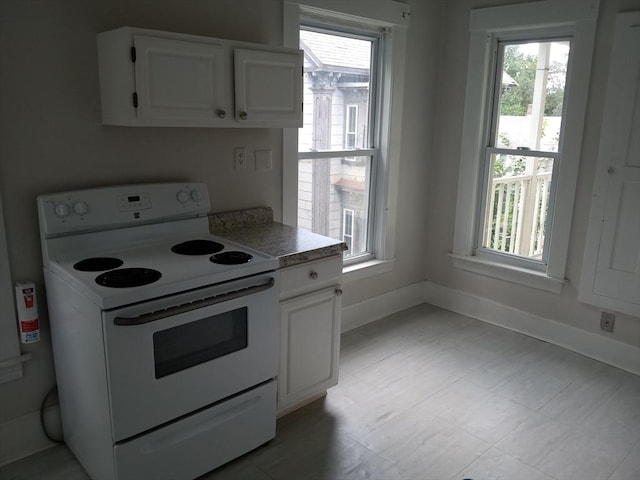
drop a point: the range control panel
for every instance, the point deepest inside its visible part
(120, 206)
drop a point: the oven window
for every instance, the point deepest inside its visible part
(182, 347)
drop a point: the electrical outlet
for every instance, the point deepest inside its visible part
(607, 321)
(240, 158)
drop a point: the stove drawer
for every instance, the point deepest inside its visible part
(310, 276)
(203, 441)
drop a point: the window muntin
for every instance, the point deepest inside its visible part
(336, 149)
(523, 150)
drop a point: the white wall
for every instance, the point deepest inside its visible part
(52, 139)
(418, 125)
(443, 174)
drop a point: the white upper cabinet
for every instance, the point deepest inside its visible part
(268, 86)
(152, 78)
(180, 81)
(611, 265)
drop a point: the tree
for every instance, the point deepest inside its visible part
(521, 67)
(516, 98)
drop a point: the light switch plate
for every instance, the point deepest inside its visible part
(263, 160)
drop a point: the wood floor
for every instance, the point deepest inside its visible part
(427, 394)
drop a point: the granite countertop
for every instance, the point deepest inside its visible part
(256, 229)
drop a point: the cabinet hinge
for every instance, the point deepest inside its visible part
(133, 54)
(135, 100)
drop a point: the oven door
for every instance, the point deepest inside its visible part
(172, 356)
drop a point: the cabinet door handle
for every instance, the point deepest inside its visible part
(221, 113)
(243, 115)
(313, 275)
(339, 292)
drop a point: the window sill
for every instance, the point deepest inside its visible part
(509, 273)
(366, 269)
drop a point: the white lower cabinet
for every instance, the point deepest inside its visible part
(310, 313)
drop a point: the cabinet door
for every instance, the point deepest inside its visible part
(180, 81)
(310, 343)
(611, 266)
(268, 87)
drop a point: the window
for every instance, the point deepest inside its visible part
(335, 167)
(347, 227)
(522, 148)
(351, 129)
(522, 133)
(340, 165)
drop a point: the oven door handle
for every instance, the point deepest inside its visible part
(204, 302)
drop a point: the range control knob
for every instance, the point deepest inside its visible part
(62, 210)
(80, 208)
(196, 195)
(183, 196)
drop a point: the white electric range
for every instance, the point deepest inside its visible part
(164, 336)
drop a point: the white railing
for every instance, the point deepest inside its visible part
(517, 212)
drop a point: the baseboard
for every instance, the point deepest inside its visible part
(23, 436)
(607, 350)
(380, 306)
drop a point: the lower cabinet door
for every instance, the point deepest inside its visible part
(310, 344)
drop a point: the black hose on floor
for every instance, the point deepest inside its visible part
(51, 392)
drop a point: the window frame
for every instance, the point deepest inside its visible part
(372, 133)
(538, 20)
(392, 18)
(490, 149)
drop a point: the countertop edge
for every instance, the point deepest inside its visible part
(255, 228)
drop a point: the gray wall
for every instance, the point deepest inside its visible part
(443, 175)
(52, 138)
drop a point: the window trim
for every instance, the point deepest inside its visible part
(575, 19)
(393, 18)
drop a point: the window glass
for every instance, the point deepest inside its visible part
(527, 117)
(531, 94)
(517, 204)
(338, 113)
(329, 186)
